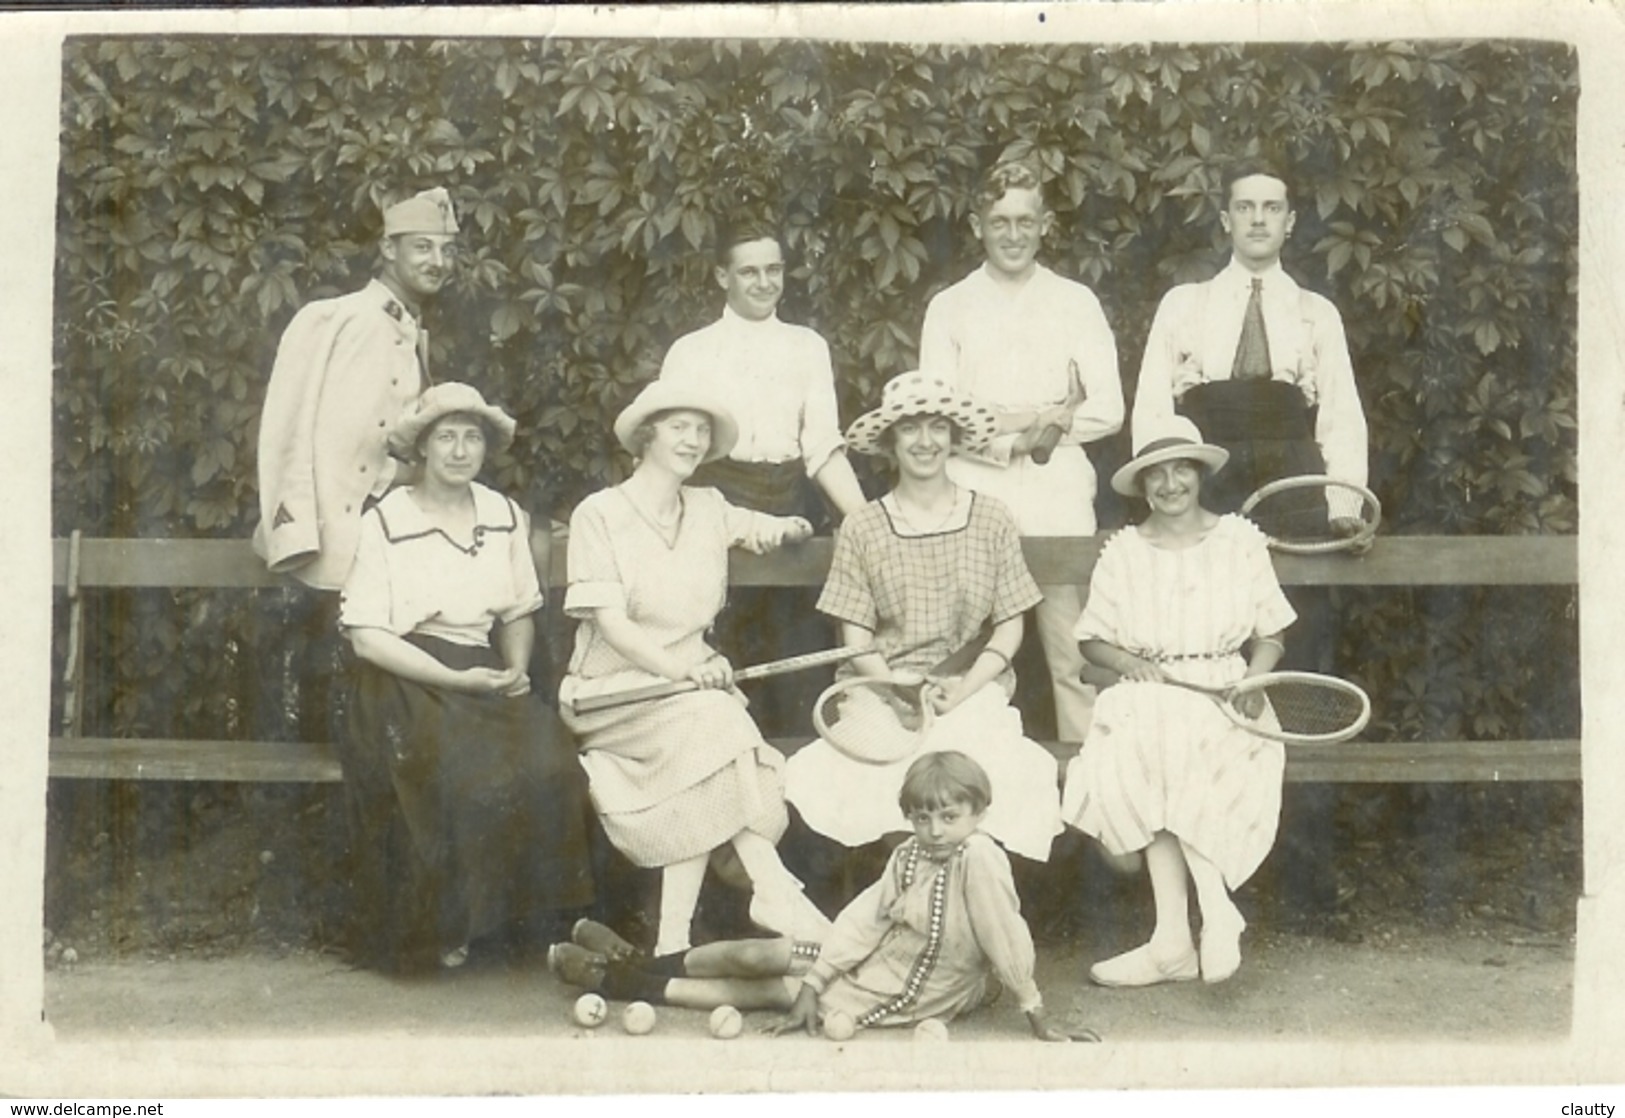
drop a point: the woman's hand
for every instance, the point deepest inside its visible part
(1142, 671)
(509, 682)
(713, 673)
(944, 695)
(1043, 1030)
(1249, 704)
(803, 1015)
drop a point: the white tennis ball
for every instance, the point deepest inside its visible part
(726, 1022)
(638, 1018)
(591, 1010)
(931, 1029)
(839, 1026)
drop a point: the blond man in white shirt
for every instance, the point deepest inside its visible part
(1016, 336)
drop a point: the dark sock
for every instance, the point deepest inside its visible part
(668, 966)
(626, 983)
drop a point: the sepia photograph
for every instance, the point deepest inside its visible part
(741, 549)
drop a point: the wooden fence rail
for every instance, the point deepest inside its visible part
(96, 564)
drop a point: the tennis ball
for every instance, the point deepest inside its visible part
(839, 1026)
(591, 1010)
(726, 1022)
(930, 1029)
(638, 1018)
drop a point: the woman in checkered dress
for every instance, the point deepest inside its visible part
(1187, 595)
(675, 778)
(916, 576)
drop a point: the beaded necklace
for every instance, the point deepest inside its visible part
(927, 962)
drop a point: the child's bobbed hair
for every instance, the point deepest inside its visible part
(942, 778)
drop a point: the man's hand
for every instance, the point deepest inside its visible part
(1348, 527)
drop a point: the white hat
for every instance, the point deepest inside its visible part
(427, 212)
(659, 396)
(919, 393)
(450, 398)
(1163, 441)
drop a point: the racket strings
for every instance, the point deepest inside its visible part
(1295, 515)
(876, 721)
(1314, 708)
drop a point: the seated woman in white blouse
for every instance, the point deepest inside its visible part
(467, 804)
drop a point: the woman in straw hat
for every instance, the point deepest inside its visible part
(1186, 595)
(674, 779)
(918, 576)
(468, 805)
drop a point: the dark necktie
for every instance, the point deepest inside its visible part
(423, 356)
(1253, 351)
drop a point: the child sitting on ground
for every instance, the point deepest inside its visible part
(940, 934)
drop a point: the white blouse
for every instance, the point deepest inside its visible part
(411, 577)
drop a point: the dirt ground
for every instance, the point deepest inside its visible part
(178, 911)
(1429, 986)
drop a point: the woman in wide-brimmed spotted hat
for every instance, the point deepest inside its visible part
(918, 575)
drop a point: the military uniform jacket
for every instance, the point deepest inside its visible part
(345, 369)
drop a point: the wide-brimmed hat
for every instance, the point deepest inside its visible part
(918, 393)
(450, 398)
(659, 396)
(426, 212)
(1165, 440)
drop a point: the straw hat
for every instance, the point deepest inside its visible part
(450, 398)
(659, 396)
(919, 393)
(1164, 440)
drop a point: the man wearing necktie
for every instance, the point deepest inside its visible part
(1262, 367)
(345, 369)
(1257, 362)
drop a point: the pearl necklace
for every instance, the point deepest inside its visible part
(907, 868)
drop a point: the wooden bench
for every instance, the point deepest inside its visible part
(81, 565)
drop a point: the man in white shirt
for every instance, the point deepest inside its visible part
(777, 379)
(1278, 394)
(1020, 338)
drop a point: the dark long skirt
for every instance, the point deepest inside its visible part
(469, 816)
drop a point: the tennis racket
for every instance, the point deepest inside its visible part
(1303, 708)
(587, 704)
(1050, 437)
(879, 720)
(1296, 513)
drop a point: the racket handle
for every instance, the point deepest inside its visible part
(1044, 446)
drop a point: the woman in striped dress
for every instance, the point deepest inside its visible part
(1187, 595)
